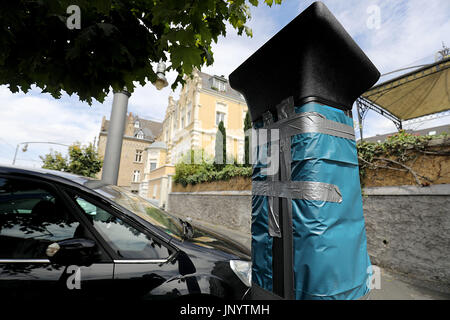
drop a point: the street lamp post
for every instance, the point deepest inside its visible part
(111, 163)
(31, 142)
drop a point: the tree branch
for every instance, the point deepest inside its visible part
(415, 175)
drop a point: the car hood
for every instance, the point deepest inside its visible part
(206, 239)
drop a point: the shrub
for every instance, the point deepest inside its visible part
(190, 172)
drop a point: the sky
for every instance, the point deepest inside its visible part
(393, 34)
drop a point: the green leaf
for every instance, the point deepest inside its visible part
(116, 45)
(185, 58)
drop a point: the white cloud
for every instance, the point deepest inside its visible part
(232, 50)
(38, 118)
(150, 103)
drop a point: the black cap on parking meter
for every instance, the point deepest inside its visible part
(311, 59)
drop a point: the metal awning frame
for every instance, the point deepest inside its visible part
(363, 106)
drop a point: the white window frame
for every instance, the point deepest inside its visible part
(220, 118)
(223, 109)
(220, 85)
(155, 189)
(136, 176)
(189, 113)
(138, 157)
(140, 134)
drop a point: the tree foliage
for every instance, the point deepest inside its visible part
(82, 160)
(220, 156)
(116, 44)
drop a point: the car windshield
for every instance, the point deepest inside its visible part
(144, 209)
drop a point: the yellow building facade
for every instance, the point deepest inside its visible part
(191, 123)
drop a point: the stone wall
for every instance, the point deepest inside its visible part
(408, 230)
(230, 209)
(408, 227)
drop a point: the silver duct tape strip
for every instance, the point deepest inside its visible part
(273, 203)
(313, 122)
(274, 219)
(306, 190)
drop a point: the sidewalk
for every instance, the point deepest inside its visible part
(393, 286)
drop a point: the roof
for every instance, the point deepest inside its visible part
(157, 145)
(229, 92)
(151, 129)
(419, 93)
(423, 132)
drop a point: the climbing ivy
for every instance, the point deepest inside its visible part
(395, 152)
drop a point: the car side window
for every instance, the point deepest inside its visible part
(127, 241)
(31, 218)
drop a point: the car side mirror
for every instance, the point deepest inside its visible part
(77, 251)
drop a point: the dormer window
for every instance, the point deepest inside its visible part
(218, 84)
(136, 124)
(140, 135)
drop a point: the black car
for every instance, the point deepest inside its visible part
(63, 235)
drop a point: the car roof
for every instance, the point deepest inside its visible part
(45, 173)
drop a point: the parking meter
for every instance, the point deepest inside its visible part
(308, 233)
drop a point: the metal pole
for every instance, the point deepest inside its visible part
(15, 154)
(116, 131)
(360, 120)
(31, 142)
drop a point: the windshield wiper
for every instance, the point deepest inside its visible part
(188, 230)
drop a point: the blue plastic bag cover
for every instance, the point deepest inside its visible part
(261, 240)
(330, 253)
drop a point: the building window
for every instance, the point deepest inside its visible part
(182, 122)
(136, 175)
(219, 85)
(220, 116)
(188, 114)
(138, 157)
(136, 124)
(140, 135)
(152, 166)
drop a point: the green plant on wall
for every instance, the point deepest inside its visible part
(203, 169)
(392, 154)
(395, 152)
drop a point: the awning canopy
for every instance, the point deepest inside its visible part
(419, 93)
